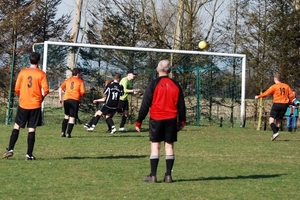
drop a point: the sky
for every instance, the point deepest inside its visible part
(66, 7)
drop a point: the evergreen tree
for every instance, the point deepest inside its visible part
(45, 24)
(284, 40)
(125, 28)
(23, 23)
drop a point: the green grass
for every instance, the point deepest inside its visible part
(210, 163)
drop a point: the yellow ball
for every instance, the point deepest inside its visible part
(202, 45)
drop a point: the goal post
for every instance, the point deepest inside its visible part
(187, 62)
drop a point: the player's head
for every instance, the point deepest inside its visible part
(76, 72)
(164, 66)
(117, 77)
(277, 78)
(131, 74)
(34, 58)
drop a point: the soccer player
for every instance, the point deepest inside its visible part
(165, 100)
(101, 100)
(282, 96)
(74, 90)
(112, 93)
(127, 84)
(31, 87)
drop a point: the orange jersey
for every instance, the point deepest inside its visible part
(282, 93)
(29, 86)
(74, 87)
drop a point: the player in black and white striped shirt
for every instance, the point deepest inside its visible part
(112, 93)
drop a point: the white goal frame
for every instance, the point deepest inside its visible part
(242, 56)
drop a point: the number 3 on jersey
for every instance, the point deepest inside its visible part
(29, 85)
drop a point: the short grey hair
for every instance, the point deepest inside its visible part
(165, 66)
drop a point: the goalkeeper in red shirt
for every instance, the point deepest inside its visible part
(165, 100)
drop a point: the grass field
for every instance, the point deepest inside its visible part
(210, 163)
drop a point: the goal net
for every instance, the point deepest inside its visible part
(213, 83)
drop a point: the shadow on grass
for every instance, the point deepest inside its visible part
(107, 157)
(134, 131)
(116, 135)
(258, 176)
(278, 140)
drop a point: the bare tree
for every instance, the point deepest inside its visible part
(178, 26)
(74, 36)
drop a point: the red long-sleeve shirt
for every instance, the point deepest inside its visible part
(165, 100)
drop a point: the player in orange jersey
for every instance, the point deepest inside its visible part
(31, 87)
(282, 96)
(74, 90)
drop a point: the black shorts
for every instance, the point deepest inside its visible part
(163, 130)
(31, 117)
(71, 107)
(278, 110)
(108, 111)
(123, 105)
